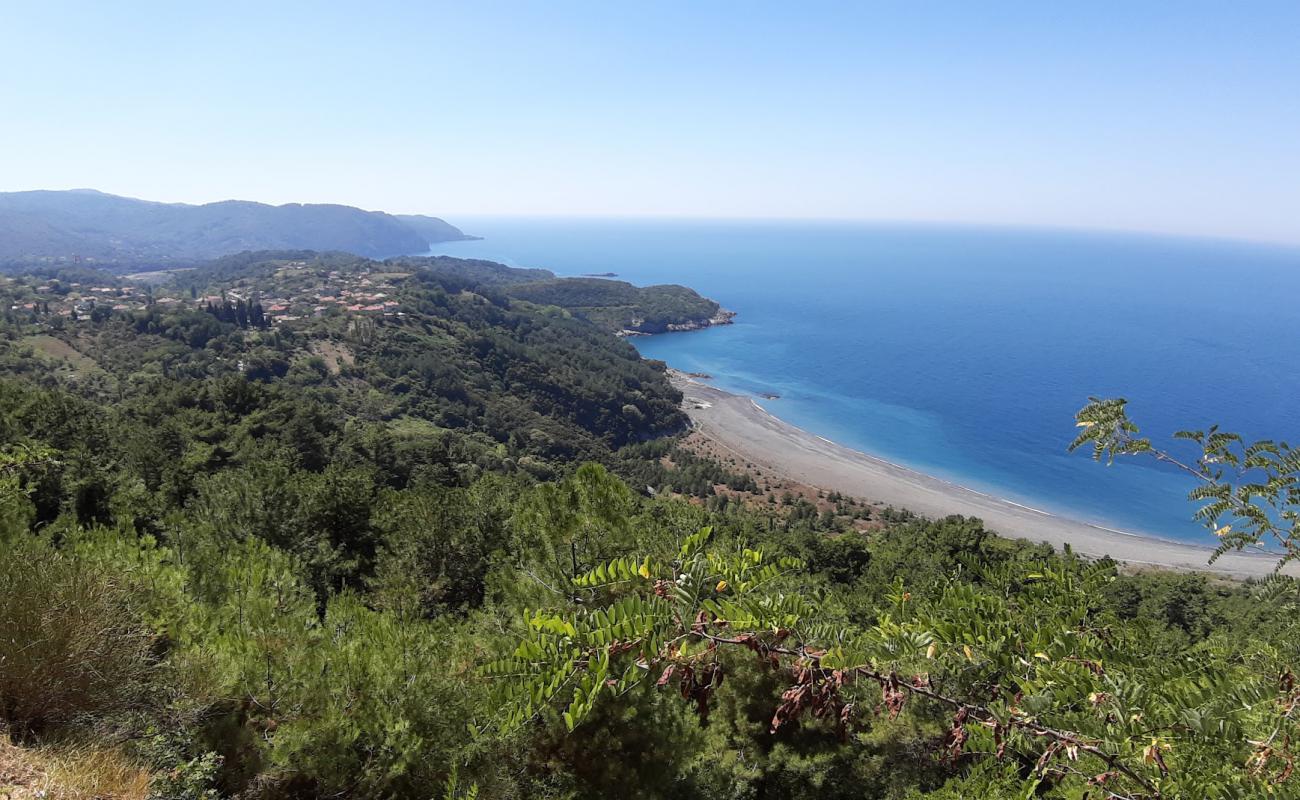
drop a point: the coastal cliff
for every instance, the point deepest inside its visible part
(622, 308)
(642, 327)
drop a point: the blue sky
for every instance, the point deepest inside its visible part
(1177, 117)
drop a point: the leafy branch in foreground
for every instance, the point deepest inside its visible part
(1022, 667)
(1250, 492)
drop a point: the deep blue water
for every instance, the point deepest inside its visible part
(964, 352)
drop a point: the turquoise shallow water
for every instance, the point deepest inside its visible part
(964, 352)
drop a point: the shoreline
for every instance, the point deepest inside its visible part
(739, 424)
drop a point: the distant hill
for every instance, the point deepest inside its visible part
(615, 305)
(475, 271)
(433, 229)
(50, 226)
(620, 306)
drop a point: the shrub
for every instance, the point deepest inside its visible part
(70, 643)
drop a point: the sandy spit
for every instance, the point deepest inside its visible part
(741, 425)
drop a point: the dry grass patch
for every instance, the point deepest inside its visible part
(59, 350)
(335, 355)
(69, 772)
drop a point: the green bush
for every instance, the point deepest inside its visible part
(70, 643)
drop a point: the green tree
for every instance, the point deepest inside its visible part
(1024, 665)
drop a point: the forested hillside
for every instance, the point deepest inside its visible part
(45, 227)
(417, 353)
(615, 305)
(622, 306)
(302, 525)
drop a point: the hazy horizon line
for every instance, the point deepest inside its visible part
(450, 216)
(1154, 233)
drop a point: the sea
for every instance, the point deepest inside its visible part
(964, 352)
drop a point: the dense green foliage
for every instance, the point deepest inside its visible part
(1028, 660)
(355, 555)
(613, 305)
(450, 369)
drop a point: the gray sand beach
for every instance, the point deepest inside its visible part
(739, 424)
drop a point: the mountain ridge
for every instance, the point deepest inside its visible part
(87, 225)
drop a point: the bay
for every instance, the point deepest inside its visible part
(963, 352)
